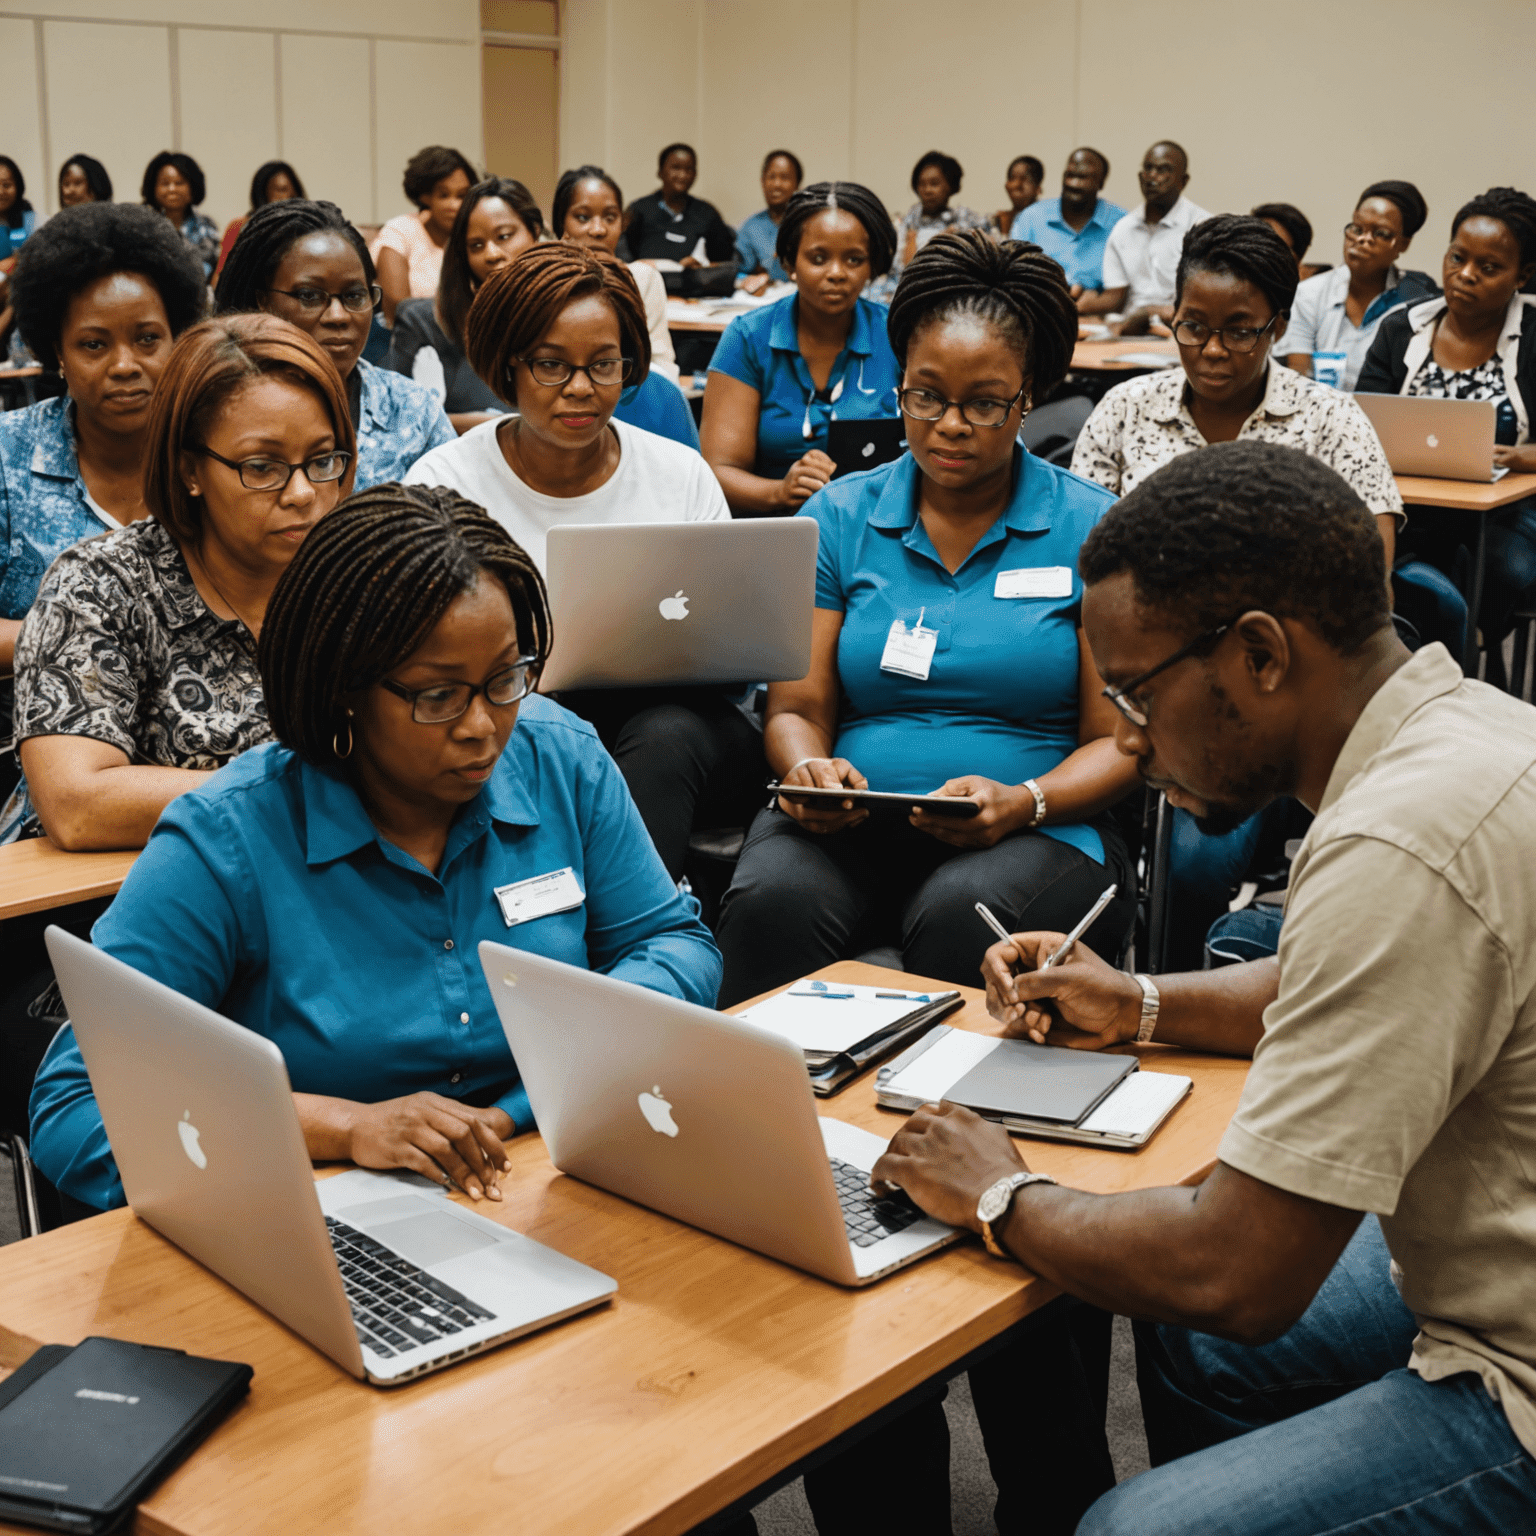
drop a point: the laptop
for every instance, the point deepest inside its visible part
(853, 445)
(701, 1116)
(382, 1272)
(1445, 439)
(644, 605)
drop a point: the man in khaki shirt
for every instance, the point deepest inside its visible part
(1234, 604)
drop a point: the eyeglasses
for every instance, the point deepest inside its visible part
(1124, 699)
(315, 301)
(274, 474)
(924, 405)
(1354, 231)
(447, 701)
(1235, 338)
(554, 371)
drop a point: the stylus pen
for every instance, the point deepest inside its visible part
(1059, 954)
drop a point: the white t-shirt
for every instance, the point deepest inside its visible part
(657, 481)
(1144, 258)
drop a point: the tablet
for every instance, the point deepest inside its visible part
(956, 806)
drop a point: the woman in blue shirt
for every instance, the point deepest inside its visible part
(758, 238)
(946, 656)
(303, 262)
(329, 890)
(783, 372)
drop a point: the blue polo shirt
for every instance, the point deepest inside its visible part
(1080, 251)
(757, 246)
(762, 348)
(269, 895)
(1001, 696)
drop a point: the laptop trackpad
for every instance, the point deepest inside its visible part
(431, 1239)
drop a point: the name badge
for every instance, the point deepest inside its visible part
(1034, 581)
(542, 896)
(681, 239)
(909, 652)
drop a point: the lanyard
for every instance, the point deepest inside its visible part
(807, 431)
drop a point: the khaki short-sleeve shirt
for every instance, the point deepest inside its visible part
(1397, 1071)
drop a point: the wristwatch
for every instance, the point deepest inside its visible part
(1150, 1003)
(994, 1204)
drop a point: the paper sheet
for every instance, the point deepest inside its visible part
(942, 1065)
(1136, 1104)
(826, 1025)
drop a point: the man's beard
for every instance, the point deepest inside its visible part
(1244, 798)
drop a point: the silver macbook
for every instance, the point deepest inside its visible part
(382, 1272)
(1445, 439)
(651, 604)
(700, 1116)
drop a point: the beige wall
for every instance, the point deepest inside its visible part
(1304, 102)
(344, 89)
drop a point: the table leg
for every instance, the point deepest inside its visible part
(1475, 597)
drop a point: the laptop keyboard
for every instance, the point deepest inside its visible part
(396, 1306)
(867, 1218)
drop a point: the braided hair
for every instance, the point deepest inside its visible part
(264, 240)
(366, 588)
(519, 302)
(1513, 209)
(456, 283)
(565, 193)
(1011, 285)
(1408, 200)
(851, 198)
(1239, 245)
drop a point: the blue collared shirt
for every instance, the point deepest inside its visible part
(269, 895)
(1001, 696)
(762, 348)
(756, 242)
(1080, 251)
(658, 405)
(399, 421)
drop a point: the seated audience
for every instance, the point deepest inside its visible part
(936, 179)
(274, 182)
(671, 224)
(1338, 311)
(1074, 228)
(83, 180)
(398, 656)
(757, 239)
(1293, 226)
(135, 670)
(303, 262)
(105, 289)
(1004, 692)
(783, 373)
(497, 219)
(589, 209)
(1142, 253)
(409, 248)
(173, 184)
(1026, 176)
(560, 330)
(1477, 341)
(1302, 1369)
(17, 221)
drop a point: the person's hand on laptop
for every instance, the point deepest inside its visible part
(824, 815)
(431, 1135)
(946, 1157)
(1101, 1006)
(1004, 809)
(1520, 461)
(805, 477)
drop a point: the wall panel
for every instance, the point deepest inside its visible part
(326, 120)
(428, 93)
(21, 124)
(378, 18)
(228, 112)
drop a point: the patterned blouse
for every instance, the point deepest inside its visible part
(1144, 423)
(202, 234)
(120, 647)
(1485, 382)
(926, 227)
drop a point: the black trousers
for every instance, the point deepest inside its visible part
(688, 755)
(801, 900)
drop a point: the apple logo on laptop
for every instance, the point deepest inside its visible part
(1432, 440)
(189, 1142)
(674, 607)
(657, 1112)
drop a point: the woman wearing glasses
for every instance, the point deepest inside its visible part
(303, 262)
(558, 333)
(329, 890)
(946, 657)
(136, 670)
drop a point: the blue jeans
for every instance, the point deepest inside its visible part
(1323, 1431)
(1433, 604)
(1251, 934)
(1203, 872)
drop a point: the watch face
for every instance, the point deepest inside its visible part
(995, 1201)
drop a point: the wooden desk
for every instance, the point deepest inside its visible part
(701, 319)
(713, 1370)
(35, 876)
(1109, 356)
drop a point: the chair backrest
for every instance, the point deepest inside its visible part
(1053, 428)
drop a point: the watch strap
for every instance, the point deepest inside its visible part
(1151, 1002)
(1039, 795)
(1014, 1184)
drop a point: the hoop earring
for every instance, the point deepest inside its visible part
(336, 740)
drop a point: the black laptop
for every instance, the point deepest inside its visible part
(855, 445)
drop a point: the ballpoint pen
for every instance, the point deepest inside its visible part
(1059, 954)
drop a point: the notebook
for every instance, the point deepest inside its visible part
(1046, 1091)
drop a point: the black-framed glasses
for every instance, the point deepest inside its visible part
(555, 371)
(447, 701)
(1353, 231)
(1235, 338)
(1124, 699)
(924, 405)
(264, 474)
(315, 301)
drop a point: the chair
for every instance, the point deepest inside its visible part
(1520, 678)
(1051, 431)
(24, 1179)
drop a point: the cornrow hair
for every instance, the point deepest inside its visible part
(456, 284)
(519, 302)
(1513, 209)
(850, 197)
(366, 588)
(1408, 200)
(1241, 246)
(1011, 285)
(565, 194)
(264, 240)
